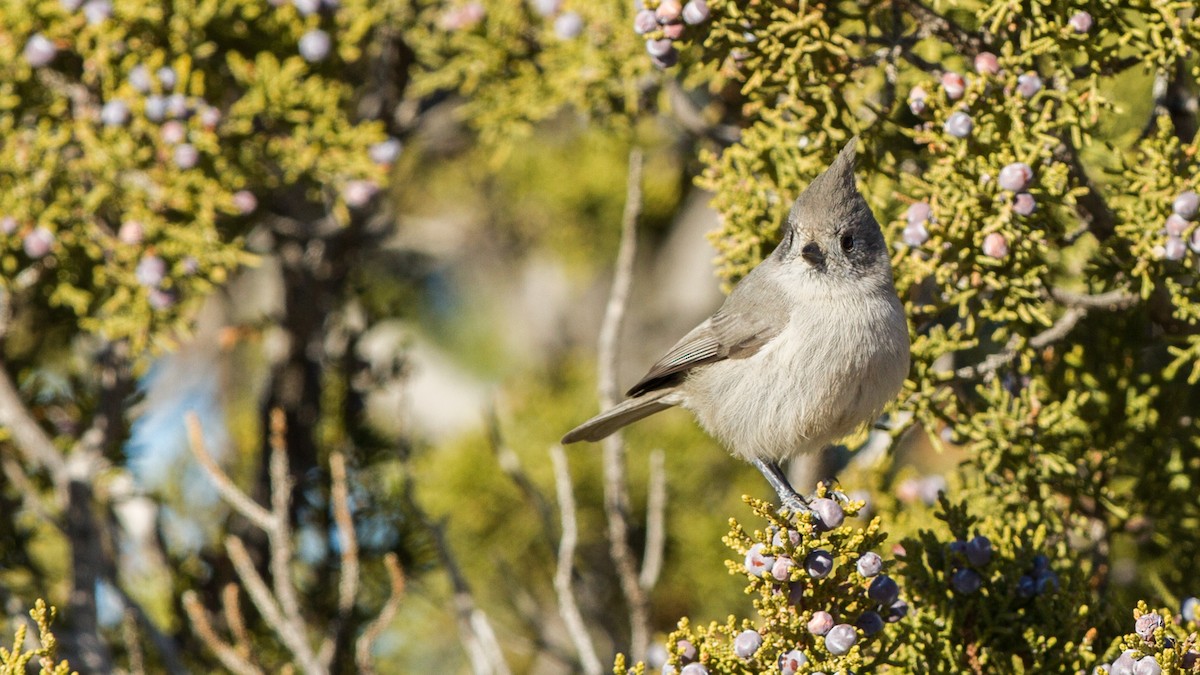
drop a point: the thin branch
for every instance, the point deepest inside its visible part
(929, 22)
(348, 543)
(656, 533)
(30, 497)
(168, 650)
(1109, 300)
(232, 494)
(1054, 333)
(567, 607)
(236, 621)
(1091, 206)
(362, 648)
(616, 498)
(510, 464)
(291, 634)
(133, 642)
(281, 530)
(34, 444)
(227, 655)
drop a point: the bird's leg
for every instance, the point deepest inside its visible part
(792, 500)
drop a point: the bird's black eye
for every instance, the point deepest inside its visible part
(847, 242)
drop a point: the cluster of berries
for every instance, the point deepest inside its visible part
(969, 556)
(1014, 178)
(1183, 212)
(663, 23)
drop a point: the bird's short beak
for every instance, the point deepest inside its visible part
(813, 254)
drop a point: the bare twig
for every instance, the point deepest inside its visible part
(362, 648)
(931, 23)
(226, 654)
(31, 440)
(1109, 300)
(1091, 207)
(281, 530)
(567, 606)
(348, 543)
(290, 633)
(616, 498)
(1053, 334)
(656, 534)
(133, 642)
(232, 609)
(232, 494)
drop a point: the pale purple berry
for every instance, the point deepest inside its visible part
(746, 644)
(820, 623)
(155, 108)
(668, 11)
(386, 151)
(1024, 204)
(1029, 84)
(869, 564)
(1189, 609)
(1123, 665)
(1147, 665)
(314, 45)
(39, 50)
(840, 639)
(791, 662)
(954, 85)
(546, 7)
(644, 22)
(1175, 225)
(782, 569)
(358, 193)
(131, 232)
(986, 63)
(918, 212)
(97, 11)
(173, 132)
(1016, 176)
(672, 31)
(166, 77)
(151, 271)
(70, 5)
(686, 650)
(995, 245)
(959, 125)
(694, 669)
(966, 581)
(38, 242)
(930, 487)
(883, 590)
(307, 7)
(245, 202)
(209, 117)
(1080, 22)
(1186, 204)
(161, 299)
(568, 25)
(1146, 624)
(818, 563)
(979, 551)
(757, 563)
(695, 11)
(190, 265)
(8, 224)
(870, 623)
(792, 535)
(139, 79)
(1194, 243)
(186, 156)
(114, 113)
(828, 514)
(177, 105)
(1174, 249)
(915, 235)
(658, 47)
(916, 100)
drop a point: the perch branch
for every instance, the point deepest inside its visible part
(232, 494)
(348, 542)
(226, 654)
(567, 607)
(656, 534)
(362, 648)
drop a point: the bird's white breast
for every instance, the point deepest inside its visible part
(834, 366)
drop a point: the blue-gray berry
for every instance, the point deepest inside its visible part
(966, 581)
(1029, 84)
(1187, 204)
(186, 156)
(568, 25)
(1080, 22)
(979, 551)
(139, 79)
(914, 235)
(155, 108)
(385, 152)
(1147, 665)
(869, 623)
(1015, 177)
(840, 639)
(959, 125)
(114, 113)
(695, 11)
(39, 50)
(1190, 609)
(883, 590)
(869, 564)
(818, 564)
(686, 650)
(1026, 586)
(829, 514)
(151, 271)
(746, 644)
(314, 45)
(1047, 581)
(1123, 664)
(1174, 248)
(97, 11)
(897, 611)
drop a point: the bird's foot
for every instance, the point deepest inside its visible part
(793, 503)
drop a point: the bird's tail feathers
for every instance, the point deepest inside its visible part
(626, 412)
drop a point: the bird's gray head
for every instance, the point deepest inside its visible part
(831, 233)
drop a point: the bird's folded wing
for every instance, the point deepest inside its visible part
(723, 336)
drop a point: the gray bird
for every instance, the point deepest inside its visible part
(810, 345)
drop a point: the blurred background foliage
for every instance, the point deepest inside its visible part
(396, 223)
